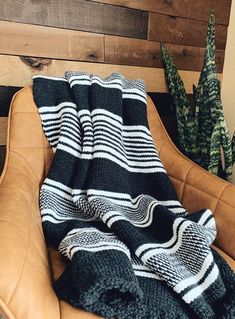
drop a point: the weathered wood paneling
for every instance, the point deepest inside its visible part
(120, 50)
(192, 58)
(78, 15)
(50, 37)
(32, 40)
(14, 72)
(176, 30)
(198, 10)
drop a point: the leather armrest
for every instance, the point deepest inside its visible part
(196, 188)
(25, 282)
(199, 189)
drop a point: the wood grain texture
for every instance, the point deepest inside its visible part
(16, 73)
(3, 130)
(36, 63)
(6, 94)
(78, 15)
(32, 40)
(198, 10)
(120, 50)
(176, 30)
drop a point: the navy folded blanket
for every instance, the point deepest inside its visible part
(108, 206)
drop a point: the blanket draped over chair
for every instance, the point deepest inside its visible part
(108, 205)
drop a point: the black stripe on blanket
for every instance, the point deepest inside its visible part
(108, 205)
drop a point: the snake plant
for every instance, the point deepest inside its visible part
(203, 132)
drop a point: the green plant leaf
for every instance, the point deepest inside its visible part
(203, 133)
(212, 129)
(227, 148)
(215, 150)
(184, 114)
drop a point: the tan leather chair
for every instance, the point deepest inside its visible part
(27, 266)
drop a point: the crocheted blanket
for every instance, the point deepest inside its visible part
(109, 207)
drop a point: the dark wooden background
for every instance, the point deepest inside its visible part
(102, 36)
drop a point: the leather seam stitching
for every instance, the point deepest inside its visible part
(27, 163)
(10, 166)
(160, 149)
(7, 311)
(44, 260)
(204, 192)
(182, 197)
(219, 198)
(28, 147)
(26, 254)
(15, 188)
(25, 112)
(60, 311)
(12, 223)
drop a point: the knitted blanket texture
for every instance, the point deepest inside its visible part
(108, 206)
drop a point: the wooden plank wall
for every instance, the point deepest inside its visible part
(103, 36)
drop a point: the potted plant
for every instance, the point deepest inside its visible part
(203, 132)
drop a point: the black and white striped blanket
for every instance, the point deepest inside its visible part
(107, 204)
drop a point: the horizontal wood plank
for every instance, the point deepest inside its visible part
(14, 72)
(79, 15)
(32, 40)
(3, 130)
(120, 50)
(183, 31)
(198, 10)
